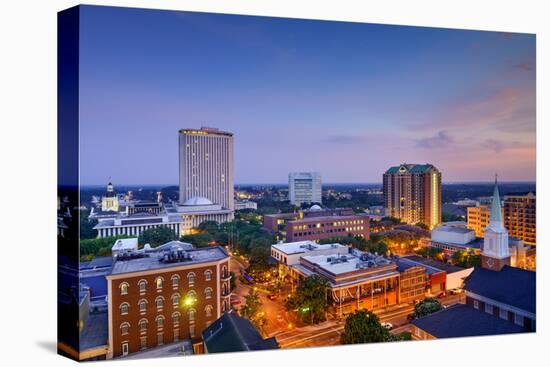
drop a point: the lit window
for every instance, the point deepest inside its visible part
(123, 288)
(176, 317)
(208, 310)
(208, 275)
(158, 282)
(208, 293)
(124, 308)
(476, 304)
(143, 342)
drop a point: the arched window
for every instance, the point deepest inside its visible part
(192, 295)
(208, 310)
(175, 299)
(224, 272)
(208, 293)
(176, 318)
(175, 280)
(191, 314)
(124, 328)
(160, 321)
(159, 282)
(208, 275)
(191, 279)
(142, 285)
(224, 289)
(159, 301)
(143, 325)
(123, 288)
(124, 308)
(142, 305)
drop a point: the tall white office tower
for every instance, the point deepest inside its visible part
(206, 168)
(304, 187)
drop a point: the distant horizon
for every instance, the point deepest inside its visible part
(491, 182)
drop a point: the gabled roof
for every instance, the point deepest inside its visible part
(462, 320)
(512, 286)
(231, 333)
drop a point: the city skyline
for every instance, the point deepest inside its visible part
(345, 99)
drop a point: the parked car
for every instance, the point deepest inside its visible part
(387, 325)
(456, 290)
(235, 301)
(279, 317)
(272, 297)
(442, 295)
(410, 317)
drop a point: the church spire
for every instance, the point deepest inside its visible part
(496, 209)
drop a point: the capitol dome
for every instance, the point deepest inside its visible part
(315, 207)
(197, 200)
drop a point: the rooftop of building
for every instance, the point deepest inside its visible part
(123, 244)
(142, 218)
(342, 264)
(411, 168)
(95, 332)
(231, 333)
(328, 218)
(153, 260)
(452, 228)
(477, 243)
(431, 265)
(302, 247)
(462, 320)
(512, 286)
(205, 131)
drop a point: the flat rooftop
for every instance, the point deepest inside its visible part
(139, 219)
(452, 229)
(477, 243)
(198, 256)
(329, 218)
(302, 247)
(343, 264)
(434, 264)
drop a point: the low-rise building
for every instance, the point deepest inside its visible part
(197, 210)
(355, 281)
(165, 295)
(460, 321)
(244, 205)
(134, 225)
(232, 333)
(509, 294)
(320, 228)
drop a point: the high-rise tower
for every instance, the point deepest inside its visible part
(412, 193)
(496, 252)
(206, 166)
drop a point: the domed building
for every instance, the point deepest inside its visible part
(198, 209)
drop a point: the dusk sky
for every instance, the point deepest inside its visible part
(347, 100)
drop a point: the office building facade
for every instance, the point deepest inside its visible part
(520, 217)
(304, 187)
(206, 166)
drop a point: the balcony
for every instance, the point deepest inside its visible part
(225, 276)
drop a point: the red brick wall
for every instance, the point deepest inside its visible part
(134, 315)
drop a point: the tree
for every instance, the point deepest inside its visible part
(252, 309)
(92, 247)
(156, 236)
(87, 225)
(465, 259)
(232, 281)
(310, 299)
(364, 327)
(426, 307)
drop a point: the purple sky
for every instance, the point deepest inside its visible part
(345, 99)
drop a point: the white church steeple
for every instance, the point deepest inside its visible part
(496, 252)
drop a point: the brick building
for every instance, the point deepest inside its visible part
(165, 296)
